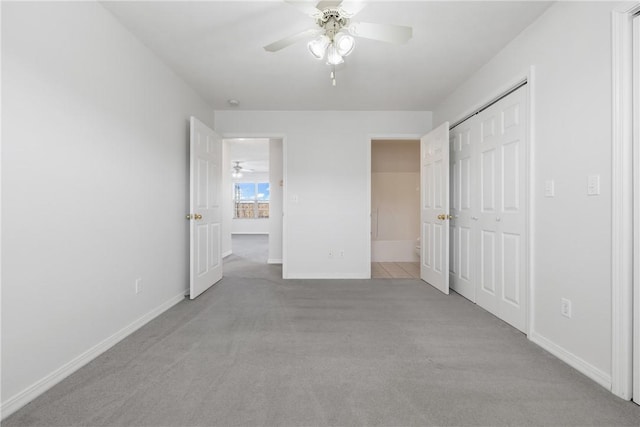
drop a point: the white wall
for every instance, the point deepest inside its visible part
(570, 49)
(276, 185)
(326, 181)
(94, 189)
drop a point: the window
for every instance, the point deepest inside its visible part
(251, 200)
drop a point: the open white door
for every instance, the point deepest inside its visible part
(434, 208)
(206, 211)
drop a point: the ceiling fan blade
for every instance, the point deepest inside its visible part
(288, 41)
(383, 32)
(352, 7)
(326, 4)
(306, 7)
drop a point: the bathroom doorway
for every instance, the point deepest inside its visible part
(395, 209)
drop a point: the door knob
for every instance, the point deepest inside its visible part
(441, 217)
(197, 216)
(189, 216)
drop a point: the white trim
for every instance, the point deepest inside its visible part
(324, 276)
(16, 402)
(572, 360)
(251, 232)
(636, 208)
(285, 205)
(274, 261)
(529, 215)
(622, 206)
(227, 253)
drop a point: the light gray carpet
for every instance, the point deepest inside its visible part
(258, 351)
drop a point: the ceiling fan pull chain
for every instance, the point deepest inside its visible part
(333, 75)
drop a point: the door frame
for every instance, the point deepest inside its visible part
(283, 138)
(370, 139)
(622, 271)
(525, 76)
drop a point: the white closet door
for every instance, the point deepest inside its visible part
(463, 199)
(501, 228)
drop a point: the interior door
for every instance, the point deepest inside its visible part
(502, 239)
(434, 208)
(463, 201)
(206, 211)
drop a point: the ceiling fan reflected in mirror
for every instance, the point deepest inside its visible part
(236, 170)
(333, 38)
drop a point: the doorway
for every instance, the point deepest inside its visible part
(395, 208)
(253, 199)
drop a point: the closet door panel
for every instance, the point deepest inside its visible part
(462, 255)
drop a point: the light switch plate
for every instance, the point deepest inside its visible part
(549, 188)
(593, 185)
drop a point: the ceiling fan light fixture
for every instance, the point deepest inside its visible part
(318, 46)
(333, 57)
(344, 44)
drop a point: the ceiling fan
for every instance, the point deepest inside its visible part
(333, 36)
(237, 170)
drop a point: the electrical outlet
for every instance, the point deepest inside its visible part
(341, 253)
(138, 286)
(565, 307)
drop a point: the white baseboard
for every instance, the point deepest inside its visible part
(16, 402)
(227, 253)
(274, 261)
(250, 232)
(323, 276)
(572, 360)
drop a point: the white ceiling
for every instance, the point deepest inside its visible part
(252, 153)
(217, 48)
